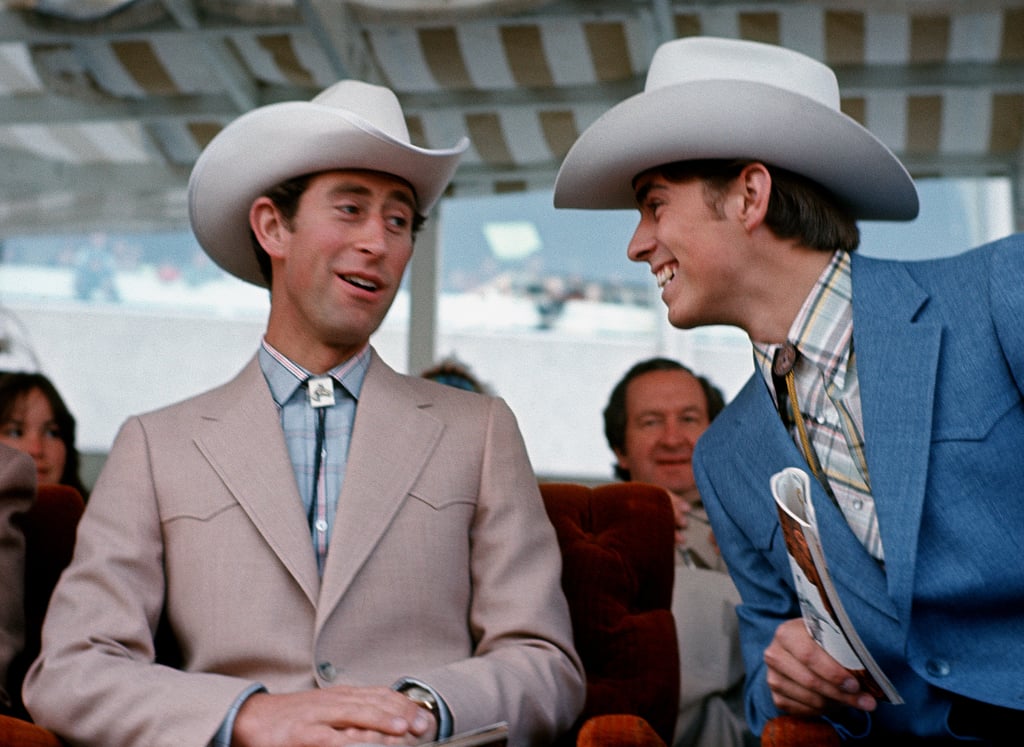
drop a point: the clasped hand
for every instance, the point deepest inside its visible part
(333, 717)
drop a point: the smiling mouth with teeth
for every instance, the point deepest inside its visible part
(665, 274)
(359, 282)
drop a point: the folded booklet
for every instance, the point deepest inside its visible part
(495, 735)
(822, 610)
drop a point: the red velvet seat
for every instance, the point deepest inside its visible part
(49, 527)
(617, 552)
(617, 548)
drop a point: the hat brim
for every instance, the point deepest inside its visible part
(734, 119)
(282, 141)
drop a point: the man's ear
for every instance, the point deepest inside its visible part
(621, 460)
(268, 225)
(755, 186)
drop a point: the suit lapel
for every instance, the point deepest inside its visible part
(392, 439)
(897, 359)
(853, 570)
(240, 435)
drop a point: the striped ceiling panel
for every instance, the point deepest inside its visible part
(940, 82)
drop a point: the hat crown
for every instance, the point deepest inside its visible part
(708, 97)
(377, 105)
(701, 59)
(349, 125)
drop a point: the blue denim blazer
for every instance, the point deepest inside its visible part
(940, 356)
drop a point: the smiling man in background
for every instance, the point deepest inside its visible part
(654, 416)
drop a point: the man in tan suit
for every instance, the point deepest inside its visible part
(654, 416)
(343, 554)
(17, 489)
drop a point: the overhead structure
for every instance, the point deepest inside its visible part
(105, 104)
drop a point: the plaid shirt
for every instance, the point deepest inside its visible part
(829, 394)
(298, 421)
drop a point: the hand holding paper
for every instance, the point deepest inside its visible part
(822, 610)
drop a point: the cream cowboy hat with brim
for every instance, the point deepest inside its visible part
(709, 98)
(351, 125)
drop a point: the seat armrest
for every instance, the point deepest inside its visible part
(618, 730)
(793, 731)
(14, 732)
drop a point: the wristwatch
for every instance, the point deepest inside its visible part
(425, 696)
(425, 699)
(421, 696)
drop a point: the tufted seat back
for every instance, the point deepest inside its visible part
(617, 550)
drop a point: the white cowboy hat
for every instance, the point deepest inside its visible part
(351, 125)
(726, 98)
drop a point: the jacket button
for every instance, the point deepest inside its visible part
(327, 670)
(937, 667)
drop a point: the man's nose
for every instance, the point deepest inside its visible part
(641, 245)
(676, 434)
(373, 236)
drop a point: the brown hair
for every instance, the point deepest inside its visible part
(798, 208)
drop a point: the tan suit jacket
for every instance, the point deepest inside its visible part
(17, 489)
(442, 566)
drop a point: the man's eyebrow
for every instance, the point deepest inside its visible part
(403, 196)
(356, 188)
(349, 188)
(641, 194)
(671, 409)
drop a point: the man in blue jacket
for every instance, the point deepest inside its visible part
(897, 387)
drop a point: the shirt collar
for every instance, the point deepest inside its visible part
(284, 376)
(823, 329)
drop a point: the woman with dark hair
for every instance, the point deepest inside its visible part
(34, 419)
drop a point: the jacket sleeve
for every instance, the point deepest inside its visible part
(525, 669)
(96, 679)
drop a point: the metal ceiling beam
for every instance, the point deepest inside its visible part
(29, 109)
(925, 78)
(663, 20)
(15, 29)
(220, 61)
(49, 109)
(26, 174)
(316, 22)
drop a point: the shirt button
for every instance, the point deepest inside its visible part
(321, 526)
(858, 504)
(327, 670)
(937, 667)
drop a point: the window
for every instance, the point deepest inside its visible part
(542, 305)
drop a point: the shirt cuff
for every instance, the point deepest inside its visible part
(223, 736)
(444, 715)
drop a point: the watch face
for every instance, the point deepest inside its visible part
(422, 697)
